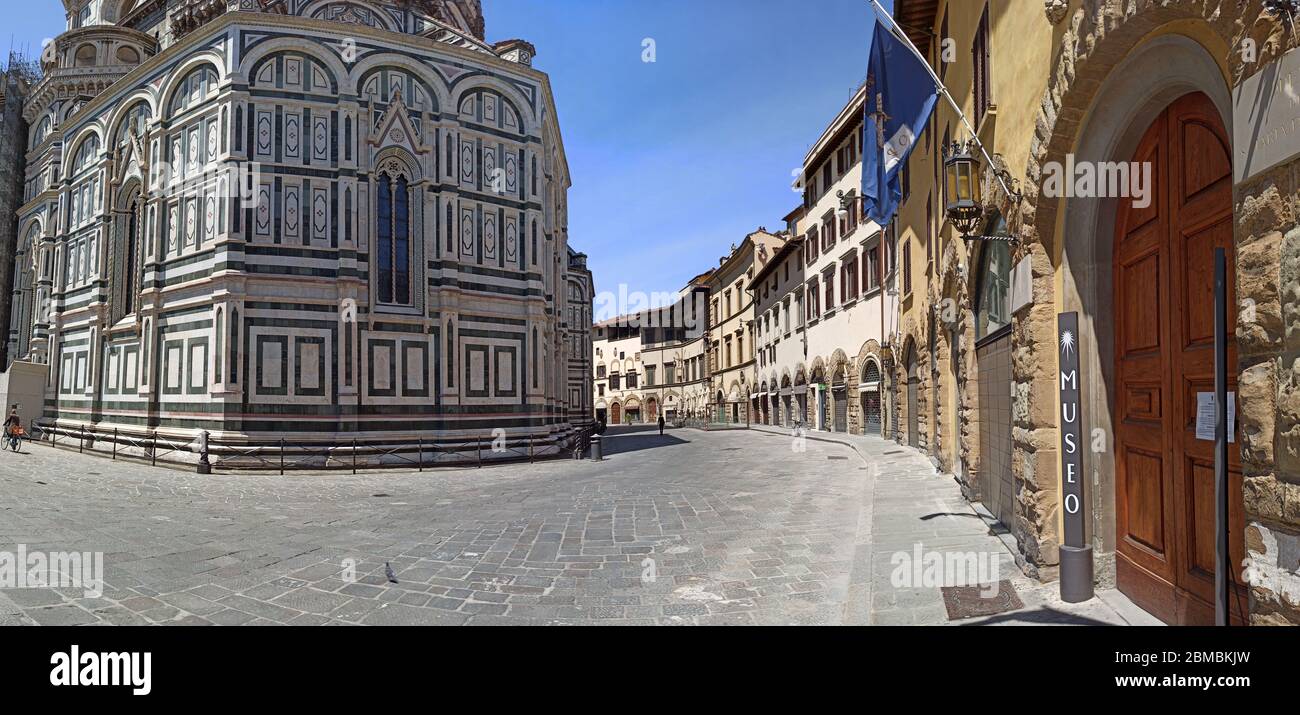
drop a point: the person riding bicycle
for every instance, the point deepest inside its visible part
(13, 427)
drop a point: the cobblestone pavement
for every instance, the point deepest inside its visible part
(692, 527)
(738, 529)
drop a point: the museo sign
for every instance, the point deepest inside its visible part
(1067, 341)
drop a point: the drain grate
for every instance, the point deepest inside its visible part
(835, 457)
(381, 495)
(971, 601)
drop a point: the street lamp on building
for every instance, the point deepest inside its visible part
(962, 190)
(963, 204)
(842, 212)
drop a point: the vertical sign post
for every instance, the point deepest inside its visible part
(1222, 577)
(1076, 554)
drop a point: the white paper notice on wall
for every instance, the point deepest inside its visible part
(1205, 416)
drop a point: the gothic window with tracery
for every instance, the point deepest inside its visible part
(393, 234)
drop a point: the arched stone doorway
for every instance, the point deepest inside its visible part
(787, 411)
(913, 376)
(800, 403)
(615, 414)
(819, 419)
(632, 412)
(839, 401)
(1163, 292)
(872, 389)
(1128, 118)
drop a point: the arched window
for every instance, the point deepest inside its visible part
(234, 345)
(194, 89)
(993, 309)
(136, 119)
(871, 373)
(128, 255)
(85, 56)
(86, 154)
(42, 131)
(393, 236)
(127, 55)
(218, 355)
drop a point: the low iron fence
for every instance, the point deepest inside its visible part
(288, 455)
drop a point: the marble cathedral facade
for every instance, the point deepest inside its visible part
(303, 219)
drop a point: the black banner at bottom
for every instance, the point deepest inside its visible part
(392, 665)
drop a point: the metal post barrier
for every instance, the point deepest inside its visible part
(81, 440)
(354, 455)
(419, 456)
(205, 466)
(153, 450)
(282, 456)
(114, 443)
(1223, 580)
(478, 450)
(530, 450)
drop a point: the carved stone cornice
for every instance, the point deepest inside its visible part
(70, 83)
(190, 15)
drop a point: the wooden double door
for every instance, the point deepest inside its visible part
(1164, 356)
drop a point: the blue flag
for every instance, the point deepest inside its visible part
(901, 94)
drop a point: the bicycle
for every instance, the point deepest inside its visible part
(14, 438)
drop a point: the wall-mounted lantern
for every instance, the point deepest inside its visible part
(963, 204)
(961, 172)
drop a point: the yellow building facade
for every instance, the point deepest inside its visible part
(1056, 90)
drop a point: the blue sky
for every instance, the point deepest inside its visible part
(675, 160)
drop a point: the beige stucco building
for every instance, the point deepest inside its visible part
(652, 363)
(831, 361)
(731, 353)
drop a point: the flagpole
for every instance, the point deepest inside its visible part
(938, 83)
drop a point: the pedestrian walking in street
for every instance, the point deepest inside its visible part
(661, 425)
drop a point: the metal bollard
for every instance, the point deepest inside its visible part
(205, 466)
(354, 455)
(114, 443)
(153, 451)
(420, 455)
(81, 440)
(596, 452)
(282, 456)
